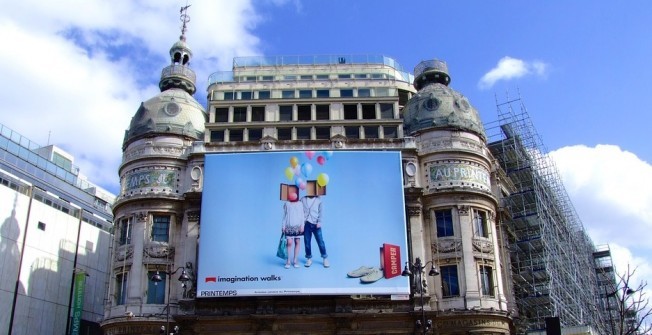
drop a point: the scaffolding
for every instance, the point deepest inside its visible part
(552, 258)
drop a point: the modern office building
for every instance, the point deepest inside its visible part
(55, 241)
(422, 229)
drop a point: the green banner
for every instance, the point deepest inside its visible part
(78, 302)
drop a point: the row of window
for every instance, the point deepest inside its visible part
(307, 93)
(444, 223)
(315, 77)
(303, 133)
(308, 112)
(155, 290)
(160, 229)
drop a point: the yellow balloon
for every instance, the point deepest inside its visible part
(289, 174)
(322, 179)
(294, 161)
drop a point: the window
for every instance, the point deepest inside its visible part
(352, 132)
(381, 92)
(322, 133)
(221, 114)
(287, 94)
(239, 114)
(284, 133)
(125, 232)
(258, 113)
(161, 228)
(156, 291)
(303, 133)
(344, 76)
(321, 77)
(264, 95)
(364, 92)
(368, 111)
(486, 281)
(290, 77)
(228, 95)
(444, 219)
(285, 113)
(305, 77)
(360, 76)
(350, 112)
(346, 93)
(267, 78)
(449, 283)
(303, 113)
(246, 95)
(255, 134)
(322, 112)
(480, 223)
(377, 76)
(370, 132)
(386, 111)
(217, 135)
(121, 288)
(390, 132)
(41, 226)
(305, 94)
(236, 135)
(323, 93)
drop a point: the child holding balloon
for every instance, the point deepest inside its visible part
(293, 222)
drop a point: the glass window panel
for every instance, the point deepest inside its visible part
(322, 112)
(255, 134)
(303, 133)
(161, 228)
(290, 77)
(267, 78)
(305, 77)
(156, 290)
(284, 133)
(217, 135)
(322, 133)
(350, 112)
(264, 95)
(364, 92)
(258, 113)
(246, 95)
(285, 113)
(323, 93)
(390, 132)
(303, 113)
(444, 220)
(239, 114)
(287, 94)
(352, 131)
(368, 111)
(346, 93)
(121, 288)
(305, 94)
(322, 77)
(371, 132)
(125, 232)
(386, 111)
(235, 135)
(221, 114)
(377, 76)
(449, 282)
(344, 76)
(360, 76)
(486, 281)
(480, 223)
(228, 95)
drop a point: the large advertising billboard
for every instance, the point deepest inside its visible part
(340, 215)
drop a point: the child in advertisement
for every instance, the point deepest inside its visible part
(313, 209)
(292, 224)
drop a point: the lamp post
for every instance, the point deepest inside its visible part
(183, 278)
(418, 269)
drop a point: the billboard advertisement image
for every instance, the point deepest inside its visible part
(302, 223)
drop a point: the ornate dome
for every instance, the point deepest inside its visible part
(437, 106)
(172, 111)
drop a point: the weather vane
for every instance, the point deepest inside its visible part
(184, 19)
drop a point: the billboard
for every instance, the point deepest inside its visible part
(342, 213)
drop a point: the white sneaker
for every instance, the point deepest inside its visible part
(326, 263)
(308, 262)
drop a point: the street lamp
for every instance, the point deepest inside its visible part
(418, 269)
(183, 278)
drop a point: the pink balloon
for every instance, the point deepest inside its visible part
(321, 160)
(310, 154)
(292, 196)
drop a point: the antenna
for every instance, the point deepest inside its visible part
(184, 19)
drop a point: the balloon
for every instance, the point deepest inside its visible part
(328, 154)
(310, 154)
(289, 174)
(321, 160)
(306, 169)
(297, 171)
(322, 179)
(292, 195)
(301, 183)
(294, 161)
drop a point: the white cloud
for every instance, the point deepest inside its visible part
(611, 189)
(510, 68)
(75, 72)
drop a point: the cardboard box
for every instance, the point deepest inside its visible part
(313, 189)
(286, 190)
(390, 260)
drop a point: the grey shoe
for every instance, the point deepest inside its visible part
(326, 263)
(308, 262)
(372, 277)
(360, 272)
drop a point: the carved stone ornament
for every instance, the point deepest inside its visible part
(193, 216)
(124, 253)
(141, 216)
(463, 210)
(159, 251)
(447, 245)
(414, 210)
(483, 246)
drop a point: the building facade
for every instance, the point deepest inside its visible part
(457, 199)
(54, 243)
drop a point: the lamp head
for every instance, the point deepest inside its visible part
(406, 271)
(156, 278)
(184, 276)
(433, 271)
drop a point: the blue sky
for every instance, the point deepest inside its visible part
(74, 73)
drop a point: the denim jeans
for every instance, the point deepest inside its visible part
(308, 230)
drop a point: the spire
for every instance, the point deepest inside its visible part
(179, 74)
